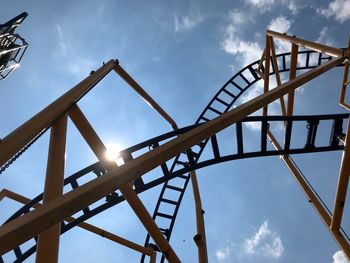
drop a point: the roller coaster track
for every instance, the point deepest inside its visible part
(175, 176)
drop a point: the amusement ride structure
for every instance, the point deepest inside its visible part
(12, 46)
(178, 153)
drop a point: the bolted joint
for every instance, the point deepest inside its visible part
(198, 240)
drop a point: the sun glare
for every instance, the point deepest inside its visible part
(113, 151)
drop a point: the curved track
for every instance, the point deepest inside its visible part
(182, 164)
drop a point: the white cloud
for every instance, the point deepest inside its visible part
(293, 7)
(275, 249)
(232, 44)
(59, 30)
(61, 43)
(296, 5)
(264, 242)
(281, 24)
(339, 257)
(264, 5)
(251, 51)
(221, 254)
(238, 17)
(251, 243)
(340, 9)
(188, 22)
(323, 37)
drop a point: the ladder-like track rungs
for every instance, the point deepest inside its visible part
(169, 201)
(215, 110)
(222, 102)
(229, 93)
(164, 215)
(175, 188)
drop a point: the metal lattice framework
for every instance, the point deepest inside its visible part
(186, 151)
(12, 46)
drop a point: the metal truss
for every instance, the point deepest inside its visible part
(12, 46)
(125, 182)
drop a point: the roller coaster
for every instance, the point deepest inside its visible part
(178, 153)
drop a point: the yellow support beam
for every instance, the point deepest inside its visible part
(332, 51)
(55, 211)
(292, 75)
(48, 241)
(277, 74)
(199, 238)
(266, 72)
(343, 181)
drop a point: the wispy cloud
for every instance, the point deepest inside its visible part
(264, 242)
(234, 45)
(223, 253)
(324, 38)
(340, 9)
(189, 21)
(249, 51)
(339, 257)
(280, 24)
(263, 5)
(61, 43)
(293, 7)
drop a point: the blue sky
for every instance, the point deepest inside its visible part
(181, 52)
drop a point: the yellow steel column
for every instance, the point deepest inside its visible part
(131, 197)
(200, 238)
(292, 75)
(48, 241)
(21, 229)
(266, 72)
(343, 181)
(277, 74)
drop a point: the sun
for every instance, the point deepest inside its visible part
(113, 151)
